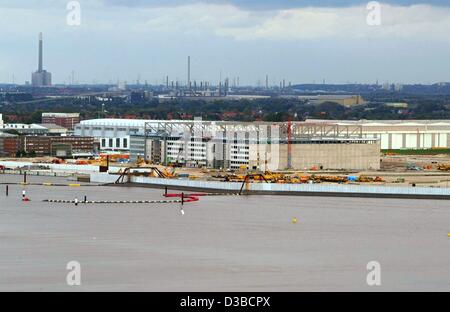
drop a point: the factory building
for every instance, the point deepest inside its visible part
(45, 145)
(9, 144)
(114, 135)
(56, 146)
(66, 120)
(25, 129)
(344, 100)
(35, 129)
(233, 145)
(401, 134)
(265, 146)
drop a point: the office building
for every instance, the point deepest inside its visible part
(66, 120)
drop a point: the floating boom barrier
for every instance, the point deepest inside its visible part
(63, 201)
(183, 198)
(52, 184)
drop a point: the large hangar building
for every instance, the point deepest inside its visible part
(233, 145)
(401, 134)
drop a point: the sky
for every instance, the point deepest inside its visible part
(301, 41)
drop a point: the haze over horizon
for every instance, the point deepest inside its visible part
(300, 41)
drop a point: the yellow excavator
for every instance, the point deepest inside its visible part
(444, 167)
(140, 161)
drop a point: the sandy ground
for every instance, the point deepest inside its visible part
(221, 243)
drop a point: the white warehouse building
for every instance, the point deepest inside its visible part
(112, 134)
(401, 134)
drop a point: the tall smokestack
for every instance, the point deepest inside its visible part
(40, 67)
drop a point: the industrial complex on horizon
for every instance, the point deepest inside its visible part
(298, 145)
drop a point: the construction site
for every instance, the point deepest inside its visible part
(146, 226)
(169, 215)
(231, 145)
(282, 153)
(235, 179)
(395, 170)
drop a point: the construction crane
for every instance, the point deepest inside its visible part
(177, 163)
(169, 171)
(289, 142)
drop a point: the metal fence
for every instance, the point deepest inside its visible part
(313, 188)
(39, 173)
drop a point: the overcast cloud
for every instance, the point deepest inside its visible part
(302, 41)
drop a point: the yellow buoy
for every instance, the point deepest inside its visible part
(448, 234)
(294, 221)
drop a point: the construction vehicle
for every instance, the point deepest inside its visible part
(114, 157)
(171, 167)
(295, 180)
(243, 167)
(140, 161)
(271, 177)
(252, 177)
(57, 161)
(235, 178)
(298, 178)
(444, 167)
(330, 179)
(274, 177)
(125, 174)
(177, 163)
(366, 179)
(414, 167)
(169, 173)
(95, 162)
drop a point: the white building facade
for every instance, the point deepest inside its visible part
(402, 134)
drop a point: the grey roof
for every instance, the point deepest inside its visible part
(51, 126)
(7, 135)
